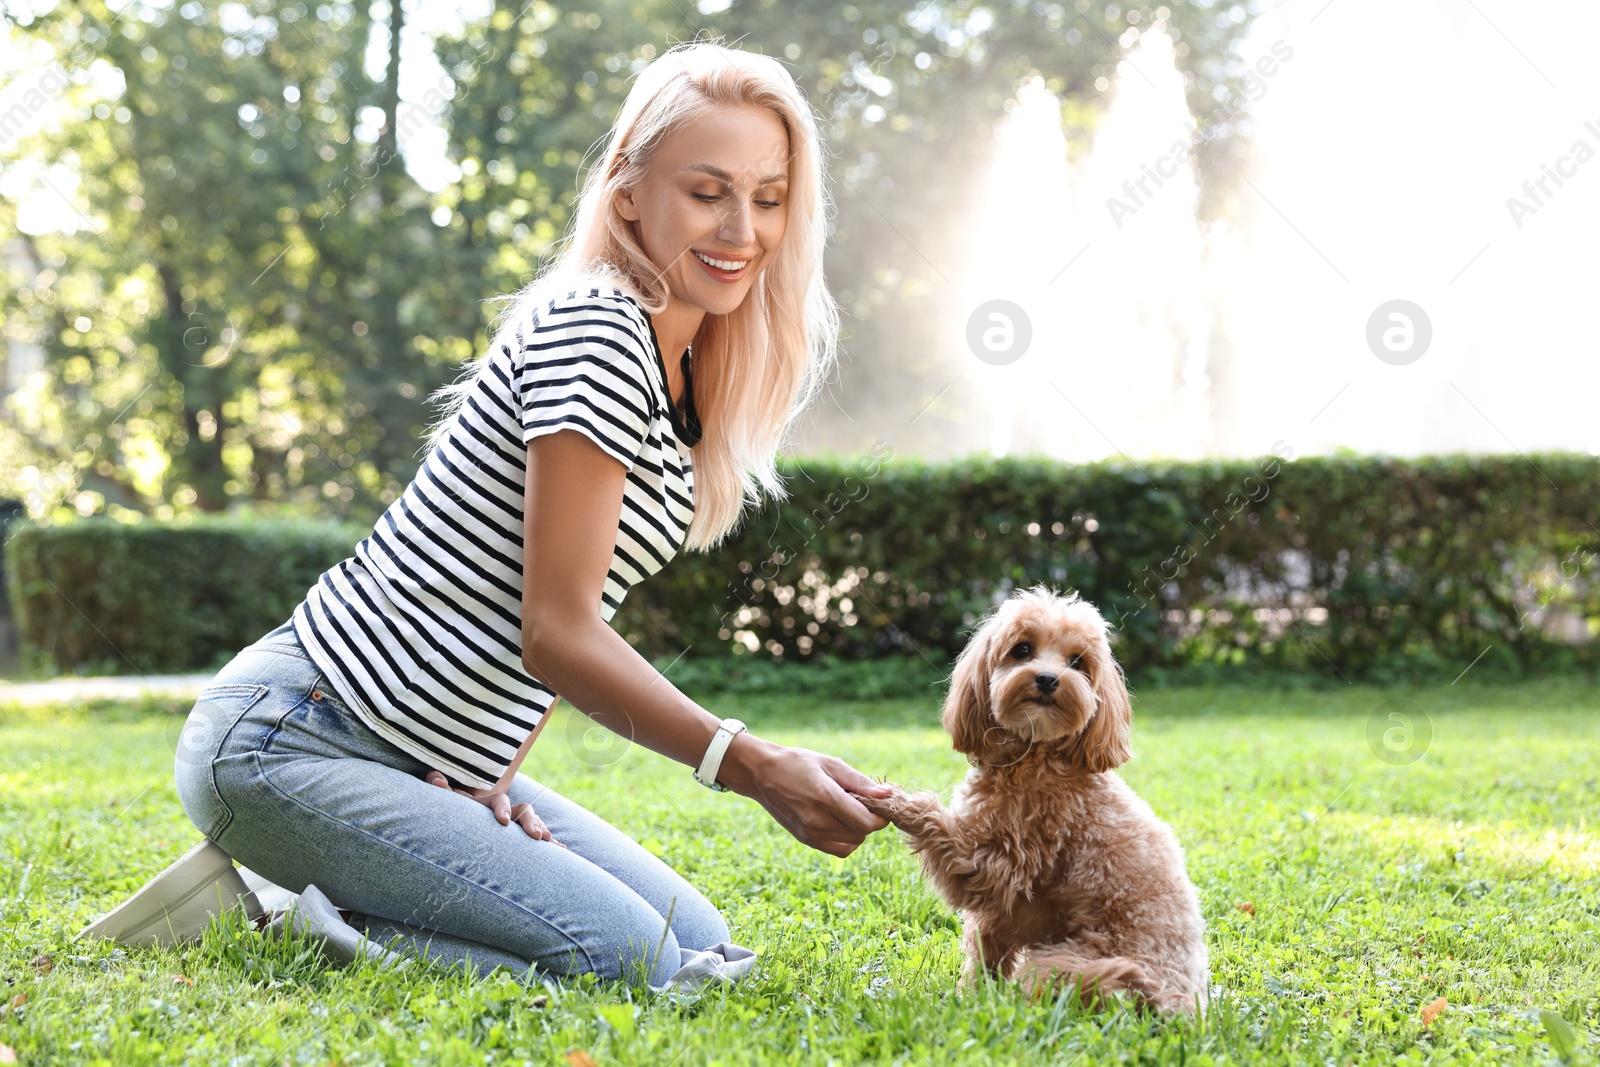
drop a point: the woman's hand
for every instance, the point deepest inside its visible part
(500, 803)
(808, 793)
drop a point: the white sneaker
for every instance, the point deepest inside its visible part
(272, 897)
(176, 905)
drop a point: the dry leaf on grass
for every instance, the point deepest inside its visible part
(1248, 909)
(44, 963)
(185, 979)
(579, 1058)
(1432, 1011)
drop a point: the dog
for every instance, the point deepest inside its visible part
(1062, 875)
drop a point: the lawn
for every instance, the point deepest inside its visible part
(1344, 889)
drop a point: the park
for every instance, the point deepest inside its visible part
(1057, 533)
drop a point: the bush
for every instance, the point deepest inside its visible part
(100, 595)
(1341, 568)
(822, 677)
(1349, 567)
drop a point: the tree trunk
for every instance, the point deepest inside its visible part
(199, 462)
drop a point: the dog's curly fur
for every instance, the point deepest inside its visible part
(1063, 876)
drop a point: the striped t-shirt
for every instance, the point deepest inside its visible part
(420, 630)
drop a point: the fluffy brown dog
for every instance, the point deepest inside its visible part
(1061, 873)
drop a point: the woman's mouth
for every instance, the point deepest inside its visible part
(718, 272)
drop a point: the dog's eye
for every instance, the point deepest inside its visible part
(1022, 650)
(1074, 659)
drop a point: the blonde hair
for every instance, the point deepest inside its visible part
(756, 368)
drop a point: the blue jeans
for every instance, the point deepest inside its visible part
(276, 769)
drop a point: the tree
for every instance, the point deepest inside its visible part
(265, 296)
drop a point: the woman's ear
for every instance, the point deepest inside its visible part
(625, 205)
(968, 714)
(1106, 742)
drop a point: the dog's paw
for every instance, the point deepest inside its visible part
(907, 811)
(883, 807)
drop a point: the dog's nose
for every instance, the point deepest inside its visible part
(1045, 682)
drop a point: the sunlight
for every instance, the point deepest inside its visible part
(1489, 847)
(1394, 184)
(1105, 262)
(1419, 180)
(1140, 324)
(1019, 231)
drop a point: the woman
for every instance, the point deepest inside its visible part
(371, 744)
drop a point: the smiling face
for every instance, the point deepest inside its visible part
(719, 187)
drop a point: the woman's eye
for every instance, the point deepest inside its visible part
(709, 198)
(1021, 650)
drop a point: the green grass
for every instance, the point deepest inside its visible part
(1471, 874)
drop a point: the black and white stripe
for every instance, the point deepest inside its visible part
(420, 630)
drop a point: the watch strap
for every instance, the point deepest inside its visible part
(706, 774)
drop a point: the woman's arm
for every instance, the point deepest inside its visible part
(573, 510)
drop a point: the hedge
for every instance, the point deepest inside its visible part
(1351, 567)
(103, 596)
(1347, 567)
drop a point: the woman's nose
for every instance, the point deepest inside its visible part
(736, 228)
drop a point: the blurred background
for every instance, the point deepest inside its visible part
(242, 242)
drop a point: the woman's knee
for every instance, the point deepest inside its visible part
(644, 950)
(695, 925)
(696, 921)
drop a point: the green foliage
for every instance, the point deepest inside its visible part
(1349, 567)
(1337, 569)
(823, 676)
(99, 595)
(1376, 889)
(261, 296)
(250, 312)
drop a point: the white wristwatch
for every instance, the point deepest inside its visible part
(707, 774)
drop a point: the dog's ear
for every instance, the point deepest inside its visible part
(968, 714)
(1106, 742)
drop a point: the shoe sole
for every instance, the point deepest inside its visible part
(176, 905)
